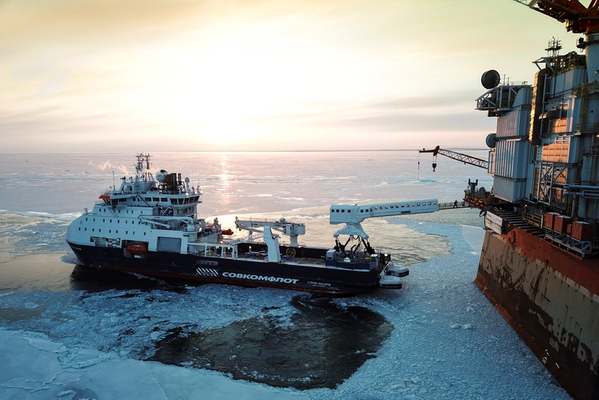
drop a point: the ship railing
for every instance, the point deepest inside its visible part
(212, 250)
(533, 219)
(234, 242)
(499, 98)
(456, 204)
(584, 248)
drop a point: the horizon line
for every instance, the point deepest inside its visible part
(237, 151)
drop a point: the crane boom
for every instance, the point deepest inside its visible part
(578, 17)
(466, 159)
(290, 229)
(352, 215)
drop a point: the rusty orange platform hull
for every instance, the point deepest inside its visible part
(551, 299)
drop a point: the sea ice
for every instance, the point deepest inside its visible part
(447, 340)
(30, 369)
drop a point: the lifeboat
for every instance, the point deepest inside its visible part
(227, 231)
(138, 248)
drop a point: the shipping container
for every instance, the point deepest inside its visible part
(560, 223)
(582, 231)
(509, 189)
(549, 217)
(512, 158)
(513, 124)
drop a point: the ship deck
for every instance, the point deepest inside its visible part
(532, 224)
(263, 257)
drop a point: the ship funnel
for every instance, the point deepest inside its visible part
(490, 79)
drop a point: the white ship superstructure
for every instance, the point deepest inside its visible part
(150, 226)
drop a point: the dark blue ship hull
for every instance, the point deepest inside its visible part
(330, 279)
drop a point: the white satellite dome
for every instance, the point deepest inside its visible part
(161, 175)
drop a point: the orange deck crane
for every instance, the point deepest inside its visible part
(577, 17)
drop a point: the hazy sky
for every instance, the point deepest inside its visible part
(202, 75)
